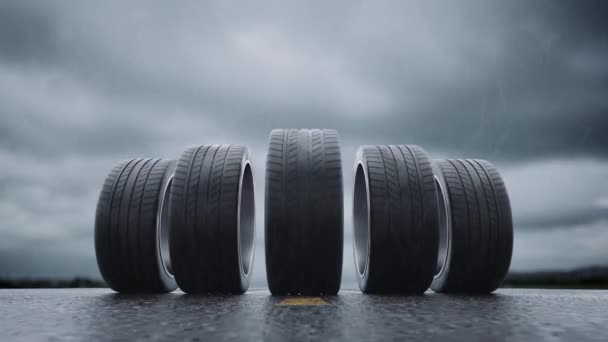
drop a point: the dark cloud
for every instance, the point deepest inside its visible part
(555, 220)
(514, 81)
(565, 248)
(84, 84)
(42, 258)
(556, 194)
(45, 137)
(27, 33)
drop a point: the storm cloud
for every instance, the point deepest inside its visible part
(83, 85)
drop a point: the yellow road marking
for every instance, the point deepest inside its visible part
(302, 301)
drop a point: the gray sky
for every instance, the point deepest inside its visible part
(85, 84)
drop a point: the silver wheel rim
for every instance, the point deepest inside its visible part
(361, 223)
(163, 227)
(246, 220)
(444, 228)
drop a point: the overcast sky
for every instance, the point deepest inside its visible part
(85, 84)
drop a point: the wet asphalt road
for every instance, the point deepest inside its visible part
(100, 315)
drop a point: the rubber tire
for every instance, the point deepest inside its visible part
(213, 220)
(304, 227)
(479, 224)
(394, 219)
(127, 227)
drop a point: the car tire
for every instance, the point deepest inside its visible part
(394, 219)
(304, 226)
(213, 219)
(476, 227)
(131, 227)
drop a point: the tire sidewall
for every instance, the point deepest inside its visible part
(362, 278)
(245, 278)
(440, 280)
(167, 279)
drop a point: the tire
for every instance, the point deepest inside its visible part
(476, 227)
(131, 227)
(304, 227)
(394, 219)
(213, 219)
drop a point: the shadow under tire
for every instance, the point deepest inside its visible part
(304, 221)
(213, 219)
(476, 226)
(131, 227)
(394, 219)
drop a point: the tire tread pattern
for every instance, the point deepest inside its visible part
(403, 208)
(304, 212)
(204, 236)
(482, 228)
(126, 242)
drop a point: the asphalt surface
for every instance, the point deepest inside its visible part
(101, 315)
